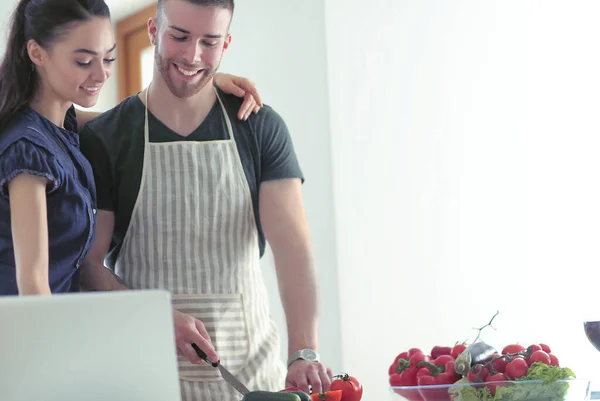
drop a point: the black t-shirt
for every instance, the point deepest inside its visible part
(114, 144)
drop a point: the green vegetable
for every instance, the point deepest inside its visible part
(270, 396)
(547, 373)
(541, 383)
(463, 390)
(303, 396)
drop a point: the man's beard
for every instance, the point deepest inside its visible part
(182, 89)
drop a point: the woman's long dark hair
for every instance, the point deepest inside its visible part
(44, 21)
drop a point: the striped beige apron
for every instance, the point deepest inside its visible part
(193, 232)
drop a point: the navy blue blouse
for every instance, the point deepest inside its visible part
(34, 145)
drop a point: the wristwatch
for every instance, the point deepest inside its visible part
(306, 354)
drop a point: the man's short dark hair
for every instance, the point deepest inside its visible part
(225, 4)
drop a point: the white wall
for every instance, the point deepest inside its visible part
(465, 156)
(6, 9)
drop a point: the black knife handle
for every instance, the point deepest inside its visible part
(203, 355)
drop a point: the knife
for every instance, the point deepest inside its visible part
(229, 378)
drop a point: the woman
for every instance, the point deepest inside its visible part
(59, 53)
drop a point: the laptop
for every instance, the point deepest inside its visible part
(96, 346)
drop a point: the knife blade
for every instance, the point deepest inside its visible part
(232, 380)
(227, 375)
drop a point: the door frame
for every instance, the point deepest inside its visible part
(129, 56)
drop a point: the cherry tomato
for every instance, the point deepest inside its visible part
(516, 368)
(534, 347)
(498, 377)
(327, 396)
(457, 350)
(499, 364)
(545, 348)
(351, 389)
(474, 373)
(540, 356)
(512, 349)
(553, 360)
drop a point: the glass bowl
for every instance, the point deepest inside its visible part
(519, 390)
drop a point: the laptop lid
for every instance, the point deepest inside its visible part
(100, 346)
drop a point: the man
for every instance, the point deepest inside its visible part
(188, 195)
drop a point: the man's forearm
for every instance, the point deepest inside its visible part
(296, 276)
(286, 230)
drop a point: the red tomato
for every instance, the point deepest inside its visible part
(512, 349)
(457, 350)
(499, 364)
(534, 347)
(553, 360)
(516, 368)
(540, 356)
(474, 373)
(545, 348)
(327, 396)
(498, 377)
(351, 389)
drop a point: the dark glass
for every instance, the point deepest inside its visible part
(592, 331)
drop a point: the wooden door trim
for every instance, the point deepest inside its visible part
(128, 79)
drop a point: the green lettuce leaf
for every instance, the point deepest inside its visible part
(541, 383)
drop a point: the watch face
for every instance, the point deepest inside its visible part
(309, 355)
